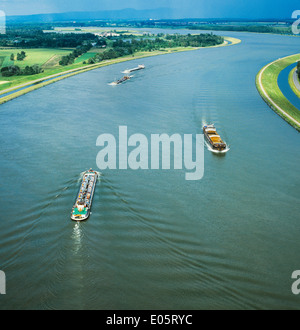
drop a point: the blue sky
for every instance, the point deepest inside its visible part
(180, 8)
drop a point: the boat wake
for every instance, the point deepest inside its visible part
(217, 151)
(99, 176)
(119, 82)
(77, 237)
(140, 67)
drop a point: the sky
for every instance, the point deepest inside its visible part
(179, 8)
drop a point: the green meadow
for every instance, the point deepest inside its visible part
(48, 59)
(34, 56)
(84, 57)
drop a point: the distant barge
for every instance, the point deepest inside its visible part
(82, 207)
(140, 67)
(214, 139)
(120, 81)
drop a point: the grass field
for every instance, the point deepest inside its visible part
(266, 83)
(34, 56)
(6, 60)
(2, 58)
(84, 57)
(47, 58)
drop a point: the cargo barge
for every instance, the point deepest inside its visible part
(120, 81)
(214, 139)
(82, 207)
(140, 67)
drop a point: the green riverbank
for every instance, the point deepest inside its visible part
(39, 80)
(266, 83)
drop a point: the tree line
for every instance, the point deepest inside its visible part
(246, 28)
(298, 69)
(69, 59)
(36, 38)
(15, 70)
(122, 47)
(20, 56)
(118, 47)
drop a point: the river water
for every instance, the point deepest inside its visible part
(154, 240)
(286, 88)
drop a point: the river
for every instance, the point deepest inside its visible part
(154, 240)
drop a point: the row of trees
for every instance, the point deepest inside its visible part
(243, 28)
(110, 54)
(69, 59)
(122, 47)
(298, 69)
(170, 41)
(36, 38)
(118, 47)
(199, 40)
(20, 56)
(14, 70)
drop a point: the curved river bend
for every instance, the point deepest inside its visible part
(154, 240)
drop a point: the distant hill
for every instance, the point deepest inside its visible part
(126, 14)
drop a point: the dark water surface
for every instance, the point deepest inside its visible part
(154, 240)
(283, 83)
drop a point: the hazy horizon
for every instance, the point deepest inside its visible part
(176, 8)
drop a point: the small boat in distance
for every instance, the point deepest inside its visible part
(140, 67)
(120, 81)
(82, 207)
(214, 139)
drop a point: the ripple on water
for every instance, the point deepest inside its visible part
(153, 240)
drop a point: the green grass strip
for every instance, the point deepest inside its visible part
(267, 85)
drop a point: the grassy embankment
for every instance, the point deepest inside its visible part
(55, 72)
(266, 83)
(292, 84)
(48, 59)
